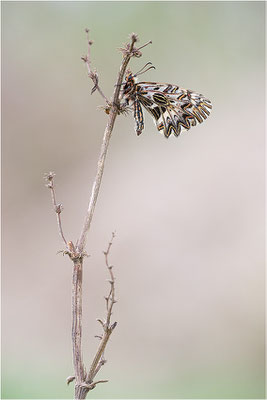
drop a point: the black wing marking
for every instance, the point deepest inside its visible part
(174, 109)
(138, 116)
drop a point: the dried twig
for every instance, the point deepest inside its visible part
(57, 207)
(110, 299)
(99, 359)
(91, 74)
(128, 51)
(84, 382)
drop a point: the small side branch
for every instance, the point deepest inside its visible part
(49, 177)
(99, 359)
(93, 74)
(110, 299)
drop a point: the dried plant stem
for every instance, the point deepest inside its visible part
(57, 207)
(77, 270)
(129, 52)
(91, 74)
(108, 328)
(97, 181)
(84, 382)
(77, 280)
(77, 321)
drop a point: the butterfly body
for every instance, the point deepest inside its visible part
(173, 108)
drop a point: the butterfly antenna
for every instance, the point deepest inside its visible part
(140, 73)
(141, 70)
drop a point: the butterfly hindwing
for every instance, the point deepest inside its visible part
(138, 116)
(173, 108)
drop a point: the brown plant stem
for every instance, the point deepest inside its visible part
(77, 321)
(91, 74)
(108, 328)
(128, 52)
(77, 283)
(84, 382)
(57, 207)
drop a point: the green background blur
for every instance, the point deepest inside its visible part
(188, 212)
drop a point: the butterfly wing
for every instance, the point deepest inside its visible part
(138, 116)
(173, 108)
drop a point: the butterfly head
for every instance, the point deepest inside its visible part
(129, 84)
(129, 76)
(131, 79)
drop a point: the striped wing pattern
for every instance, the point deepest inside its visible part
(174, 109)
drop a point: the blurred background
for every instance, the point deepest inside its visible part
(188, 212)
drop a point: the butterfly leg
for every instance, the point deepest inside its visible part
(123, 107)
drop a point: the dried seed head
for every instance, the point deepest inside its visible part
(49, 176)
(134, 37)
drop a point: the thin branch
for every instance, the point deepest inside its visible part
(108, 328)
(144, 45)
(93, 384)
(70, 379)
(128, 52)
(85, 382)
(111, 296)
(95, 364)
(57, 207)
(79, 369)
(100, 364)
(91, 74)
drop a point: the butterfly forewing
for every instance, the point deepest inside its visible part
(173, 108)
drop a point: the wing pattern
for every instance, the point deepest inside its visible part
(174, 109)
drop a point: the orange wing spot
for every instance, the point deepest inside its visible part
(206, 104)
(181, 97)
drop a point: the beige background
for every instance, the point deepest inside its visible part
(188, 212)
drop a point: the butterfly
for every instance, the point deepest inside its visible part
(173, 108)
